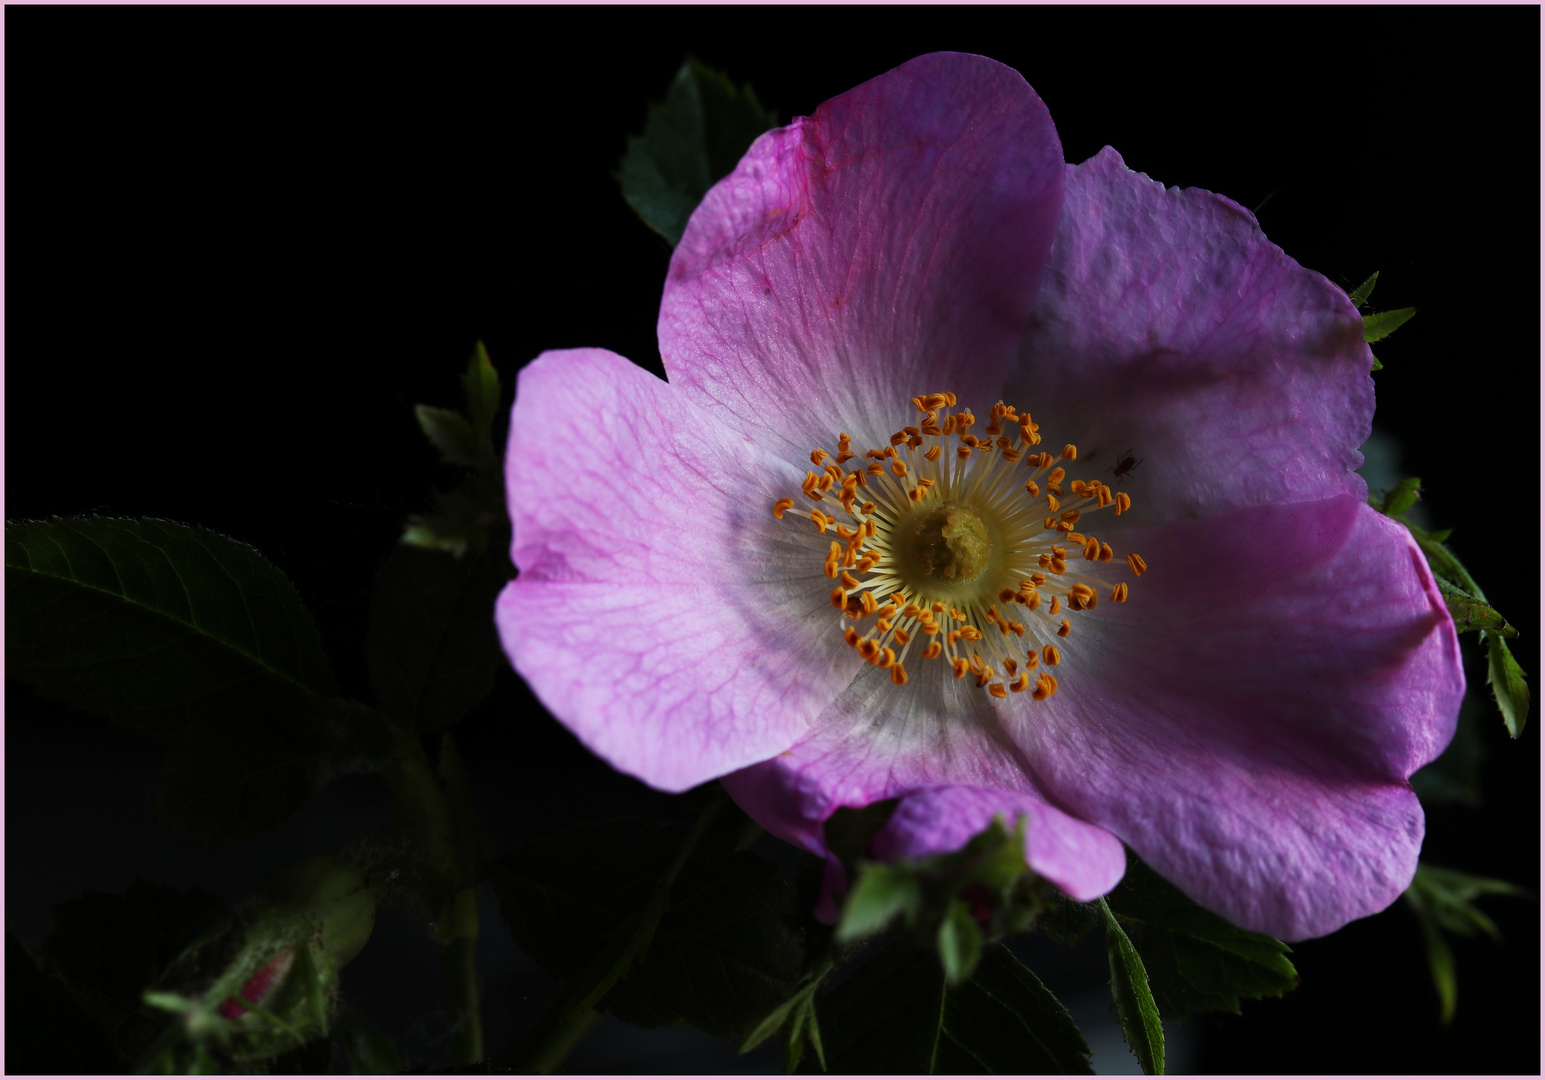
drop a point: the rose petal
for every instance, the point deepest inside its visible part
(887, 246)
(1168, 323)
(1247, 720)
(656, 614)
(1082, 860)
(937, 743)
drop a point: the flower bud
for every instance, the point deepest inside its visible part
(332, 891)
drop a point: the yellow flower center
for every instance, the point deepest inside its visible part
(958, 545)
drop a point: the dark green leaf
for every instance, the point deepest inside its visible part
(451, 434)
(884, 891)
(1064, 919)
(896, 1015)
(1361, 294)
(1440, 961)
(156, 625)
(481, 385)
(1135, 1007)
(1380, 326)
(1196, 961)
(1507, 684)
(46, 1031)
(691, 140)
(431, 648)
(110, 948)
(1444, 563)
(1455, 776)
(728, 949)
(370, 1051)
(959, 942)
(1378, 365)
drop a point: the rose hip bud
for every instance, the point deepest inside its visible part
(331, 890)
(262, 983)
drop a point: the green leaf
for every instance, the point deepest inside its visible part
(482, 389)
(1135, 1007)
(1378, 365)
(157, 625)
(1380, 326)
(1442, 900)
(46, 1031)
(1196, 961)
(728, 948)
(1507, 684)
(883, 892)
(431, 648)
(691, 140)
(1361, 294)
(451, 434)
(896, 1015)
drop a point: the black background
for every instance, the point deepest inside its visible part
(243, 243)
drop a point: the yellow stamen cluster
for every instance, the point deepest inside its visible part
(950, 548)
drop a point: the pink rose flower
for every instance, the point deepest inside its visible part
(1119, 578)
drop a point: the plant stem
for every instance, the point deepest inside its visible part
(458, 966)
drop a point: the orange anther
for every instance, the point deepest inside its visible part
(933, 650)
(898, 675)
(839, 598)
(883, 625)
(818, 456)
(962, 452)
(1051, 502)
(780, 506)
(1070, 452)
(933, 453)
(902, 637)
(1032, 489)
(867, 509)
(1071, 516)
(1006, 595)
(869, 605)
(1032, 660)
(938, 607)
(1055, 606)
(1057, 475)
(1021, 684)
(875, 469)
(1017, 629)
(1067, 628)
(960, 666)
(1052, 656)
(1119, 593)
(996, 690)
(1135, 561)
(1106, 553)
(1092, 550)
(1010, 665)
(850, 635)
(1123, 502)
(899, 467)
(821, 520)
(898, 438)
(887, 658)
(849, 582)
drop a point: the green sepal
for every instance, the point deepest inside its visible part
(985, 882)
(451, 433)
(1380, 326)
(1361, 294)
(462, 519)
(1472, 614)
(1378, 365)
(1442, 900)
(1471, 611)
(796, 1017)
(482, 389)
(1401, 497)
(691, 140)
(1135, 1008)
